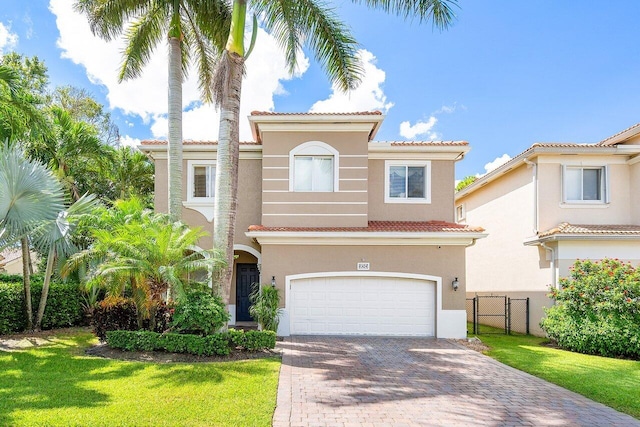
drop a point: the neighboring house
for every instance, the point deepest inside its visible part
(547, 207)
(359, 236)
(11, 261)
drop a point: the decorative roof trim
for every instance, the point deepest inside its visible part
(542, 148)
(567, 231)
(622, 135)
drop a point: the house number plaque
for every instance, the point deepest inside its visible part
(363, 266)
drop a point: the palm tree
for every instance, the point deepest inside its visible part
(147, 253)
(194, 28)
(293, 23)
(29, 195)
(54, 236)
(132, 173)
(70, 146)
(19, 113)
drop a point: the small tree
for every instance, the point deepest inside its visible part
(466, 181)
(597, 309)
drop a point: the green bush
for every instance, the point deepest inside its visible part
(264, 308)
(64, 304)
(597, 310)
(215, 344)
(199, 312)
(113, 314)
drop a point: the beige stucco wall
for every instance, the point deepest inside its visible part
(554, 212)
(444, 261)
(634, 188)
(442, 194)
(501, 262)
(249, 199)
(343, 208)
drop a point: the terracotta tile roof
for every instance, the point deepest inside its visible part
(423, 143)
(355, 113)
(382, 226)
(591, 229)
(191, 142)
(630, 128)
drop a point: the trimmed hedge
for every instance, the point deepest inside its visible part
(64, 304)
(219, 344)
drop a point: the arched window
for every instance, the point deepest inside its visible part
(313, 166)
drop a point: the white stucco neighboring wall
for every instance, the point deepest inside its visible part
(571, 250)
(501, 262)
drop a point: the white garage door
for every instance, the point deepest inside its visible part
(362, 306)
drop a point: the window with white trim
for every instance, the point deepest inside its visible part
(585, 184)
(460, 213)
(407, 182)
(201, 180)
(313, 173)
(313, 167)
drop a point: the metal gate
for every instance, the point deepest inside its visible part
(497, 314)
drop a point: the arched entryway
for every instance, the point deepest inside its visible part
(246, 272)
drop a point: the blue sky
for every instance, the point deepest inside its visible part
(505, 75)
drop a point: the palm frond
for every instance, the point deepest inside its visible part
(439, 12)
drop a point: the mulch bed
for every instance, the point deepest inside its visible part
(103, 350)
(26, 340)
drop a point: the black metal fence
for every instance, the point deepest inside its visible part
(494, 314)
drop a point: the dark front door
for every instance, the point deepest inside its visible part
(246, 276)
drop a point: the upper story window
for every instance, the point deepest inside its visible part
(201, 180)
(313, 166)
(585, 184)
(407, 182)
(460, 213)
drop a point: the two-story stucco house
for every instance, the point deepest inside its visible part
(359, 236)
(547, 207)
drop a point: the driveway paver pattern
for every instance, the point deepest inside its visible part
(378, 382)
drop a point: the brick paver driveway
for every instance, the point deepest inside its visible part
(331, 381)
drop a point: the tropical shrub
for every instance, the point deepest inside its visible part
(64, 307)
(144, 254)
(251, 340)
(264, 308)
(199, 312)
(216, 344)
(117, 313)
(597, 309)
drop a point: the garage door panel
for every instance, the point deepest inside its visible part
(362, 306)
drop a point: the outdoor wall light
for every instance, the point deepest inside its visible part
(273, 281)
(455, 284)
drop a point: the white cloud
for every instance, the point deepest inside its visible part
(8, 40)
(147, 96)
(367, 97)
(127, 141)
(495, 164)
(420, 128)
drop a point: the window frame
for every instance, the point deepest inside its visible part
(604, 185)
(191, 166)
(426, 164)
(314, 149)
(461, 213)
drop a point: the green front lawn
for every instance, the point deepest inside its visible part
(613, 382)
(58, 385)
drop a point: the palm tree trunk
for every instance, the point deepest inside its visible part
(226, 195)
(175, 129)
(45, 287)
(26, 279)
